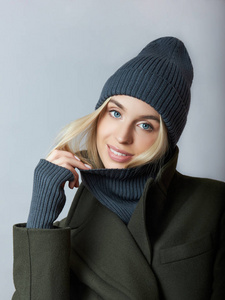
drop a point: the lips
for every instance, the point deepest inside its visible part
(119, 155)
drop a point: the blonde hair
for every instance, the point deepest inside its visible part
(79, 138)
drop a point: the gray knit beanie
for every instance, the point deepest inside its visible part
(160, 75)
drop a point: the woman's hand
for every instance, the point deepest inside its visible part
(69, 161)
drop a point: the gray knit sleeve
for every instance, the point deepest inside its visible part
(48, 196)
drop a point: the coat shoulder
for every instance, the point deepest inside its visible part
(199, 187)
(205, 183)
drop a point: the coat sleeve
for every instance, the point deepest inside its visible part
(41, 263)
(219, 266)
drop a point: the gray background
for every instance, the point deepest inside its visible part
(54, 59)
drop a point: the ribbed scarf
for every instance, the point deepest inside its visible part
(118, 189)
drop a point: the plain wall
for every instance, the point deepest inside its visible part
(54, 59)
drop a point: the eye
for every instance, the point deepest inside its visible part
(115, 114)
(146, 126)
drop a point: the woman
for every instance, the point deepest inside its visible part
(137, 229)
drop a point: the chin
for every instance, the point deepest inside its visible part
(114, 165)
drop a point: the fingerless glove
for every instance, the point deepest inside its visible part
(48, 197)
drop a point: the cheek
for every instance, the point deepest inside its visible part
(102, 129)
(145, 142)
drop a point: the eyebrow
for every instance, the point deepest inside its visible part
(117, 103)
(149, 117)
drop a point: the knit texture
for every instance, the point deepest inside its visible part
(48, 196)
(118, 189)
(160, 75)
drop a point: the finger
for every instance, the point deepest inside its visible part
(74, 183)
(82, 165)
(77, 184)
(71, 184)
(55, 154)
(64, 161)
(60, 156)
(78, 163)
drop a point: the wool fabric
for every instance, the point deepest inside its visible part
(119, 189)
(48, 197)
(160, 75)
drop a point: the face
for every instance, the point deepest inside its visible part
(127, 128)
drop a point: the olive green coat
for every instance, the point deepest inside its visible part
(173, 247)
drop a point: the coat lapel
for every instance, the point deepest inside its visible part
(149, 211)
(105, 255)
(137, 225)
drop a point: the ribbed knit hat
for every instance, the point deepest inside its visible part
(160, 75)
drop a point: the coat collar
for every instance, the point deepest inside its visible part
(166, 174)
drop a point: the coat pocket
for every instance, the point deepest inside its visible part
(185, 251)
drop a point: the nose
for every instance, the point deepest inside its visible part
(124, 134)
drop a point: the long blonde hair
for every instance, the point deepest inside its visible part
(79, 137)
